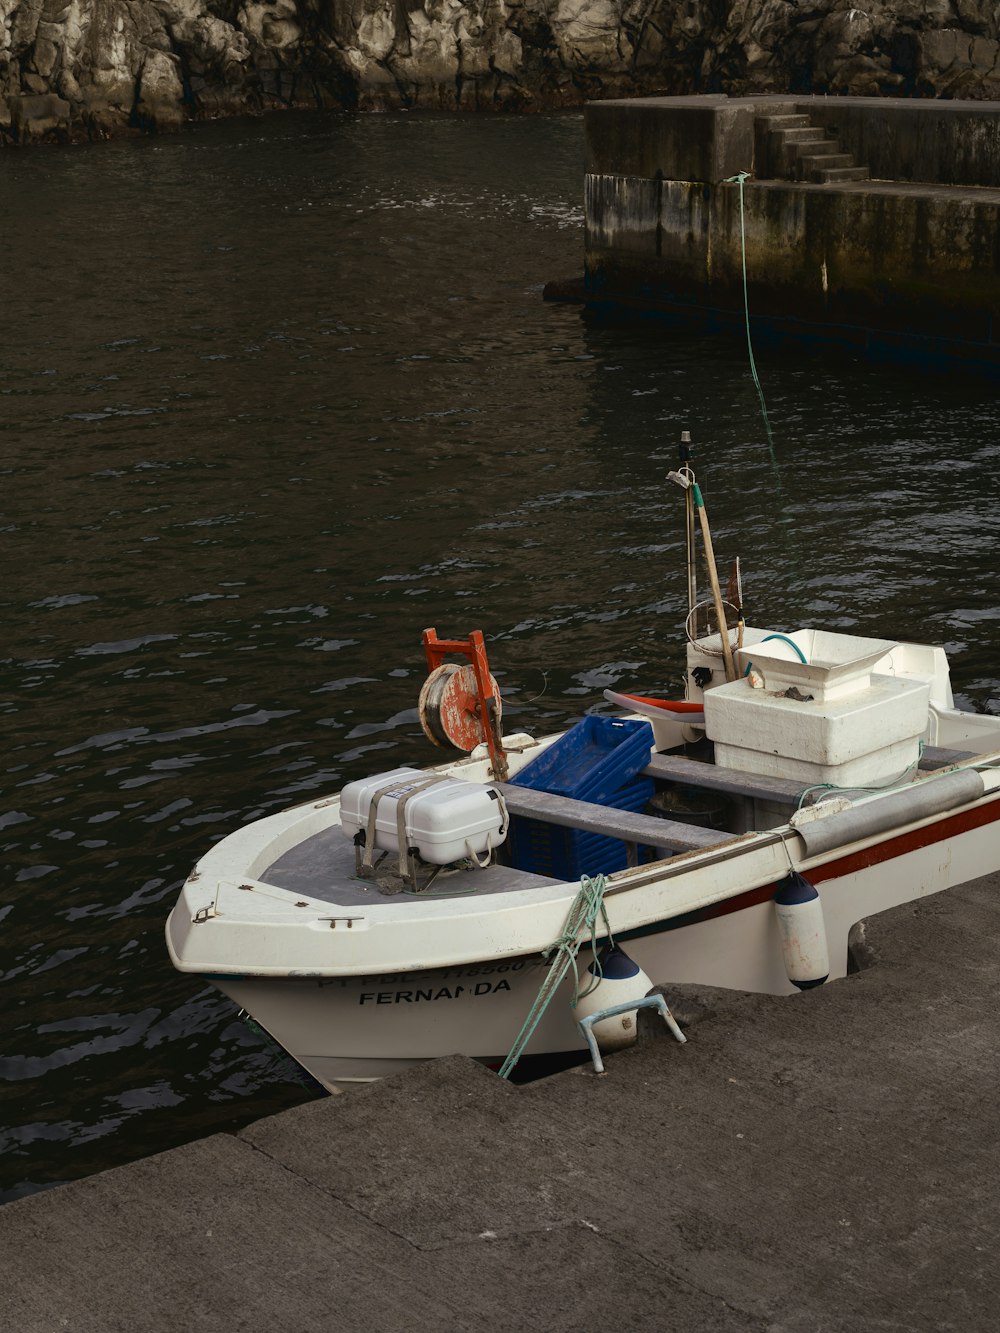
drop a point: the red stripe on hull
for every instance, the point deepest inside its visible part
(878, 854)
(908, 842)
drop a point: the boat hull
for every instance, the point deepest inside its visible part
(345, 1030)
(355, 984)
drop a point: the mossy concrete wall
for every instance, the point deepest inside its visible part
(917, 257)
(923, 261)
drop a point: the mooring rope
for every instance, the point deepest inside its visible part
(587, 906)
(738, 179)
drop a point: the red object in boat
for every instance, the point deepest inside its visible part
(460, 706)
(668, 705)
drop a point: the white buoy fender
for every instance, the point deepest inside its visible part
(803, 934)
(622, 980)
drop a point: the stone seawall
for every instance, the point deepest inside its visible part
(909, 261)
(73, 68)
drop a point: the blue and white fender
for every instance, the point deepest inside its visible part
(803, 933)
(622, 980)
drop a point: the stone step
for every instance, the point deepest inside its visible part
(787, 121)
(826, 161)
(802, 134)
(832, 175)
(824, 147)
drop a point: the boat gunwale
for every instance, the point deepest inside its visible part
(625, 882)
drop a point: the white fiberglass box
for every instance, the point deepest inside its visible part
(864, 738)
(445, 821)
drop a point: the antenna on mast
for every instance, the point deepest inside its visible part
(695, 502)
(686, 454)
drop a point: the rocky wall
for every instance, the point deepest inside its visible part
(71, 68)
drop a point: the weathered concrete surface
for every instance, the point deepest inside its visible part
(827, 1162)
(908, 262)
(869, 254)
(945, 143)
(706, 138)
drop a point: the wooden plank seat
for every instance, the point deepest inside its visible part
(625, 825)
(783, 791)
(696, 773)
(933, 758)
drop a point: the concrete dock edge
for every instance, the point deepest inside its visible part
(823, 1162)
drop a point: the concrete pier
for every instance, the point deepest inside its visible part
(864, 221)
(826, 1162)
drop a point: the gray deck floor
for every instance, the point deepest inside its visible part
(323, 867)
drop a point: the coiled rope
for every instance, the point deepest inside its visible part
(587, 906)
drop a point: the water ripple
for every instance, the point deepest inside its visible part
(215, 498)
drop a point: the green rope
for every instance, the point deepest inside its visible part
(587, 906)
(904, 780)
(738, 179)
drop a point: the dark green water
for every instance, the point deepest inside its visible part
(274, 397)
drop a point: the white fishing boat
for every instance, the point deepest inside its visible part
(808, 780)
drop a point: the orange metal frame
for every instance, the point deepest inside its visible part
(473, 648)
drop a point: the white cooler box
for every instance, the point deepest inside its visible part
(444, 822)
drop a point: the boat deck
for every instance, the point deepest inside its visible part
(323, 866)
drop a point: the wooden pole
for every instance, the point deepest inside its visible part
(713, 578)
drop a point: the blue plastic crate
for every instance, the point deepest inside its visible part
(564, 853)
(593, 761)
